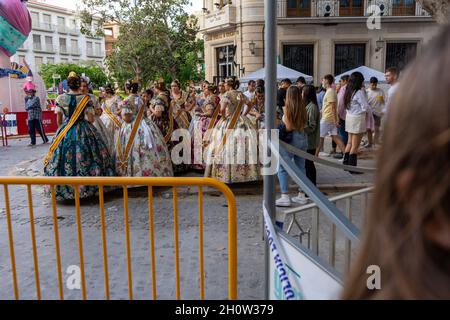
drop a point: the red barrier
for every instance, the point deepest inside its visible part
(48, 121)
(22, 127)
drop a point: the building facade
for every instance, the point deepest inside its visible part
(316, 37)
(111, 31)
(56, 37)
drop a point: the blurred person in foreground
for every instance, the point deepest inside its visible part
(407, 231)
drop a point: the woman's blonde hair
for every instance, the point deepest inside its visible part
(295, 108)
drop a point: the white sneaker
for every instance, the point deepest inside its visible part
(300, 199)
(323, 154)
(284, 201)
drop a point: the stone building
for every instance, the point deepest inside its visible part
(315, 37)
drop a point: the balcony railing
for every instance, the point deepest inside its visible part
(74, 31)
(347, 8)
(43, 26)
(48, 48)
(63, 50)
(75, 51)
(62, 29)
(95, 53)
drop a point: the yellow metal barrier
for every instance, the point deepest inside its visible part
(125, 182)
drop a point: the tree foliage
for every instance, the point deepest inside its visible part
(157, 38)
(93, 71)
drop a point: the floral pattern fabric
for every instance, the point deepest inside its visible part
(113, 104)
(199, 125)
(244, 136)
(81, 153)
(180, 114)
(149, 155)
(161, 103)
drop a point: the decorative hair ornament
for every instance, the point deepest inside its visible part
(85, 79)
(126, 111)
(72, 74)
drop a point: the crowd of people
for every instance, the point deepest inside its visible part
(138, 135)
(344, 111)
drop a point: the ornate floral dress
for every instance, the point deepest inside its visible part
(100, 126)
(233, 157)
(179, 112)
(80, 153)
(167, 124)
(112, 122)
(140, 149)
(205, 117)
(257, 107)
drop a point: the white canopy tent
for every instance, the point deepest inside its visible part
(282, 73)
(367, 73)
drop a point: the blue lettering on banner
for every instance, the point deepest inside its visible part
(288, 291)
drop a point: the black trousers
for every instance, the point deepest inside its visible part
(34, 125)
(310, 168)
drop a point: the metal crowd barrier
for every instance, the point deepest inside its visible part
(103, 182)
(337, 219)
(313, 231)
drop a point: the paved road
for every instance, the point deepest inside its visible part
(21, 160)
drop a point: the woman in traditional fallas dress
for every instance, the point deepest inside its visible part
(140, 149)
(240, 163)
(97, 122)
(257, 110)
(181, 104)
(205, 117)
(177, 117)
(77, 149)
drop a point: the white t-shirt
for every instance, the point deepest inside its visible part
(391, 93)
(376, 101)
(359, 103)
(249, 95)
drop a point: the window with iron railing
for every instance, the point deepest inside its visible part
(299, 57)
(49, 44)
(403, 7)
(348, 57)
(37, 45)
(62, 25)
(400, 54)
(299, 8)
(351, 8)
(63, 45)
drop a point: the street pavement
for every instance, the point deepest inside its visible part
(18, 159)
